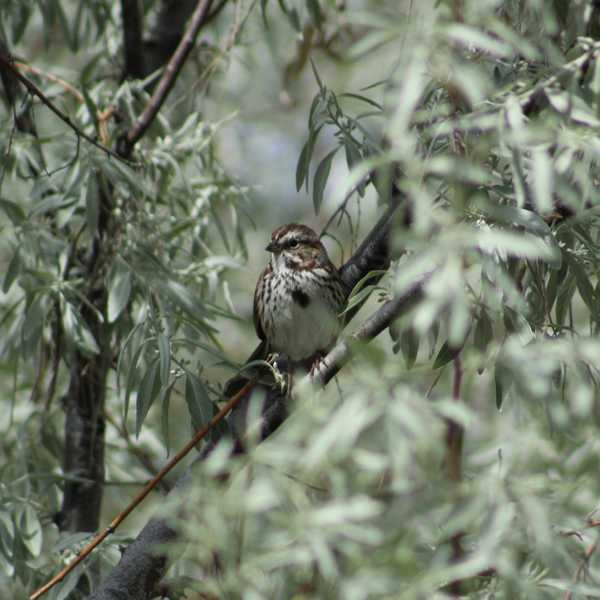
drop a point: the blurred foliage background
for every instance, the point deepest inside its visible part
(458, 454)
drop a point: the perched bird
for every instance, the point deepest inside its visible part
(299, 296)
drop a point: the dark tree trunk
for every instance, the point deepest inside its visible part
(84, 444)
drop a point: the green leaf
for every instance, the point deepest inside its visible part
(315, 12)
(119, 289)
(30, 528)
(362, 99)
(303, 166)
(557, 276)
(409, 344)
(586, 290)
(395, 334)
(7, 533)
(321, 176)
(484, 332)
(13, 270)
(564, 297)
(165, 397)
(164, 350)
(502, 383)
(147, 393)
(360, 297)
(132, 377)
(199, 405)
(34, 320)
(317, 77)
(294, 19)
(71, 39)
(91, 203)
(542, 184)
(263, 12)
(13, 211)
(446, 354)
(90, 105)
(76, 329)
(353, 156)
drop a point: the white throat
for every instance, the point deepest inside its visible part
(278, 263)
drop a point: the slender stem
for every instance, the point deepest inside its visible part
(581, 566)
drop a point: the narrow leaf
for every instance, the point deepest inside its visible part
(199, 405)
(13, 270)
(164, 350)
(320, 180)
(165, 397)
(146, 395)
(77, 330)
(585, 288)
(446, 354)
(409, 344)
(119, 290)
(14, 212)
(484, 332)
(91, 204)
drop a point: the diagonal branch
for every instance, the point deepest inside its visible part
(370, 329)
(7, 65)
(169, 76)
(98, 539)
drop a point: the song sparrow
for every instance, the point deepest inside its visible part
(299, 296)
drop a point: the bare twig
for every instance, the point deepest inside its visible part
(168, 78)
(50, 77)
(344, 203)
(581, 566)
(200, 434)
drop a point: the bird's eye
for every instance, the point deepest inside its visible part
(293, 243)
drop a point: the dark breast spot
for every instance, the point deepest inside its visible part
(300, 298)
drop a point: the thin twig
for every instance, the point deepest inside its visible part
(200, 434)
(33, 89)
(581, 566)
(168, 78)
(343, 204)
(50, 77)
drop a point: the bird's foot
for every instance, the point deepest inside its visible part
(318, 362)
(282, 376)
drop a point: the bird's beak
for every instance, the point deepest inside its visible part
(272, 247)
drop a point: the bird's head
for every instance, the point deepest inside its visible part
(295, 246)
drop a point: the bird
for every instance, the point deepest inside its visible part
(299, 297)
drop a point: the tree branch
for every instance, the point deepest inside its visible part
(98, 539)
(167, 80)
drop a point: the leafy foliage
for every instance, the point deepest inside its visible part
(483, 116)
